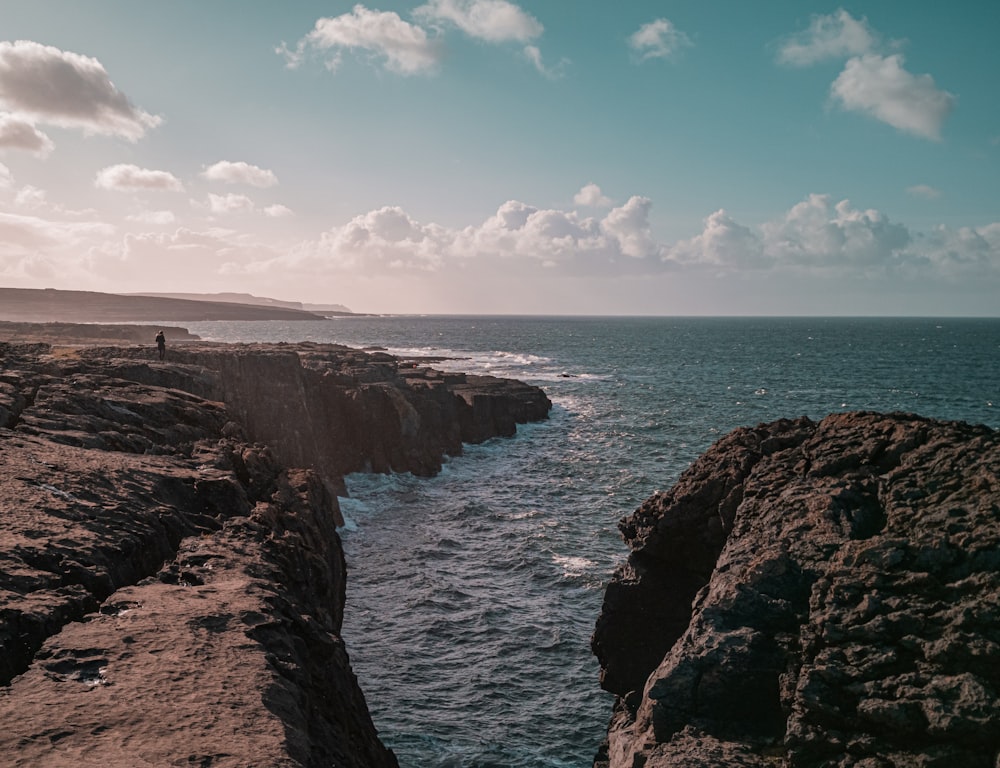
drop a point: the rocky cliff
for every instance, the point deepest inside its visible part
(171, 579)
(813, 594)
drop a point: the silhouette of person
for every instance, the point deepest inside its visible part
(161, 344)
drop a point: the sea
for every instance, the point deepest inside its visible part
(472, 595)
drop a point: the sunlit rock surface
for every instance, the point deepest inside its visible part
(813, 594)
(171, 579)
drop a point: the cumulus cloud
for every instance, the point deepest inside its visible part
(277, 211)
(818, 233)
(722, 242)
(518, 236)
(835, 36)
(658, 39)
(125, 177)
(31, 197)
(230, 203)
(386, 237)
(403, 47)
(963, 252)
(879, 86)
(815, 235)
(629, 226)
(240, 173)
(68, 90)
(871, 82)
(18, 133)
(925, 191)
(818, 237)
(590, 195)
(495, 21)
(6, 179)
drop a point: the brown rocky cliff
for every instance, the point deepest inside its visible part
(339, 410)
(172, 589)
(813, 594)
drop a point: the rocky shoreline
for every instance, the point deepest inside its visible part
(172, 583)
(813, 594)
(171, 578)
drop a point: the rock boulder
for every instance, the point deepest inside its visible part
(813, 594)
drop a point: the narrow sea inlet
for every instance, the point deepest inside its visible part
(472, 595)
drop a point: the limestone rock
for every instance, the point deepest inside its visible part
(172, 584)
(813, 594)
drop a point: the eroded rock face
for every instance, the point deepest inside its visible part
(813, 594)
(339, 410)
(171, 588)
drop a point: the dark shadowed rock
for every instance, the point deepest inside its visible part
(813, 594)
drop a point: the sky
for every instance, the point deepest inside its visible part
(788, 157)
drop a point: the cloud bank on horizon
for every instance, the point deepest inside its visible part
(98, 193)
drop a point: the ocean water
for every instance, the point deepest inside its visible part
(472, 595)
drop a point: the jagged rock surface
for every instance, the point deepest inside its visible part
(340, 410)
(813, 594)
(171, 587)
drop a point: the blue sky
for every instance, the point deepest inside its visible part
(455, 156)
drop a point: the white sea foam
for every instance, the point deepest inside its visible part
(573, 565)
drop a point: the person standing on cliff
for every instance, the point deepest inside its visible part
(161, 344)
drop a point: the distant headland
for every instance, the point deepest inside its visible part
(35, 305)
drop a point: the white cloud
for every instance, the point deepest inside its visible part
(25, 235)
(386, 238)
(871, 83)
(816, 239)
(925, 191)
(534, 55)
(240, 173)
(816, 233)
(160, 218)
(590, 195)
(230, 203)
(722, 242)
(175, 260)
(658, 39)
(518, 236)
(67, 89)
(835, 36)
(494, 21)
(31, 197)
(879, 86)
(629, 226)
(278, 211)
(6, 179)
(18, 133)
(404, 47)
(125, 177)
(964, 252)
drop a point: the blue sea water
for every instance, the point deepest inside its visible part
(472, 595)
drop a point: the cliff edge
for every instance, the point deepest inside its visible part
(171, 583)
(813, 594)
